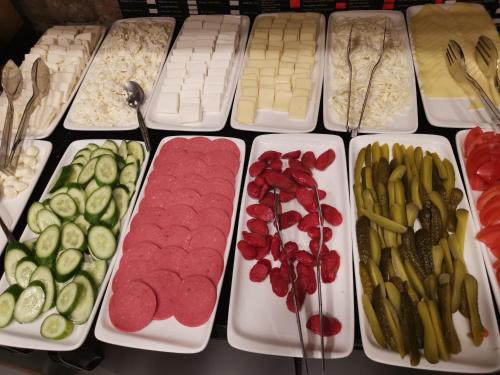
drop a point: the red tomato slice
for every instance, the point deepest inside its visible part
(475, 161)
(483, 138)
(490, 215)
(477, 183)
(490, 171)
(490, 236)
(498, 277)
(472, 135)
(496, 253)
(487, 195)
(496, 265)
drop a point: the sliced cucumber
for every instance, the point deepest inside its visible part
(84, 152)
(47, 245)
(30, 303)
(7, 304)
(122, 150)
(68, 263)
(45, 218)
(106, 170)
(97, 269)
(86, 299)
(24, 269)
(61, 190)
(63, 178)
(12, 256)
(110, 145)
(136, 149)
(92, 146)
(131, 159)
(102, 242)
(97, 204)
(64, 206)
(131, 188)
(80, 160)
(101, 151)
(75, 172)
(67, 298)
(129, 174)
(83, 224)
(72, 237)
(30, 244)
(44, 275)
(79, 197)
(32, 213)
(87, 172)
(56, 327)
(111, 215)
(91, 187)
(116, 228)
(122, 199)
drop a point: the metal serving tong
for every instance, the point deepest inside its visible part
(354, 131)
(277, 226)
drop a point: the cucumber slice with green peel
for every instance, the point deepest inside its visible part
(64, 189)
(86, 299)
(64, 206)
(131, 159)
(32, 212)
(24, 269)
(67, 298)
(84, 152)
(44, 275)
(83, 224)
(87, 172)
(46, 204)
(111, 215)
(101, 151)
(116, 228)
(136, 149)
(30, 244)
(131, 188)
(63, 178)
(12, 256)
(75, 172)
(79, 197)
(122, 150)
(129, 174)
(97, 204)
(96, 268)
(110, 145)
(106, 170)
(56, 327)
(72, 237)
(80, 160)
(7, 303)
(45, 218)
(92, 146)
(68, 263)
(102, 242)
(91, 187)
(47, 245)
(30, 303)
(122, 199)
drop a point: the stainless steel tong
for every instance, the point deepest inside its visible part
(354, 131)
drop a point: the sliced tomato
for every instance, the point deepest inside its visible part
(475, 161)
(490, 236)
(496, 265)
(490, 215)
(485, 137)
(490, 171)
(489, 194)
(477, 183)
(496, 253)
(498, 277)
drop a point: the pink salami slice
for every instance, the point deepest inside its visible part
(171, 156)
(226, 145)
(225, 158)
(162, 167)
(176, 143)
(199, 144)
(196, 301)
(221, 186)
(215, 200)
(132, 307)
(166, 285)
(157, 181)
(176, 235)
(213, 216)
(166, 198)
(220, 171)
(180, 214)
(208, 236)
(193, 181)
(205, 262)
(142, 232)
(143, 247)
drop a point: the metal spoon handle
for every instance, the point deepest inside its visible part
(144, 130)
(21, 131)
(7, 130)
(8, 233)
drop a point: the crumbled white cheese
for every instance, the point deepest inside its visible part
(12, 185)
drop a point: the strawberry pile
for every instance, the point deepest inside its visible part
(291, 175)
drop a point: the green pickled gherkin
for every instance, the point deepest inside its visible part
(366, 280)
(437, 325)
(397, 264)
(409, 330)
(463, 307)
(383, 171)
(449, 331)
(373, 321)
(375, 248)
(447, 258)
(441, 169)
(437, 201)
(368, 155)
(477, 332)
(431, 286)
(411, 214)
(462, 218)
(378, 306)
(376, 154)
(363, 238)
(431, 351)
(436, 228)
(398, 153)
(383, 198)
(424, 249)
(449, 182)
(426, 173)
(458, 279)
(358, 166)
(393, 295)
(437, 259)
(386, 264)
(384, 150)
(424, 217)
(418, 155)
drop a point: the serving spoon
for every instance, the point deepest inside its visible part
(135, 98)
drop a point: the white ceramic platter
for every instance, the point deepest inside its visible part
(446, 112)
(405, 121)
(474, 195)
(278, 122)
(74, 125)
(471, 359)
(259, 321)
(167, 335)
(14, 206)
(28, 335)
(212, 121)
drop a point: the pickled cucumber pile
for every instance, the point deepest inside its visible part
(410, 238)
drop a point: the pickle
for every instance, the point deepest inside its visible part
(458, 279)
(384, 150)
(358, 196)
(449, 331)
(398, 283)
(424, 249)
(397, 264)
(375, 248)
(462, 218)
(410, 161)
(393, 295)
(368, 200)
(470, 284)
(386, 268)
(368, 178)
(409, 252)
(398, 153)
(426, 173)
(394, 326)
(363, 238)
(399, 192)
(383, 171)
(368, 155)
(378, 307)
(441, 169)
(424, 217)
(398, 173)
(366, 281)
(453, 245)
(408, 328)
(398, 213)
(437, 201)
(383, 199)
(454, 200)
(390, 238)
(416, 197)
(415, 281)
(375, 152)
(431, 351)
(436, 228)
(431, 287)
(358, 166)
(438, 330)
(456, 197)
(448, 262)
(463, 307)
(376, 276)
(437, 259)
(418, 156)
(411, 213)
(391, 192)
(373, 321)
(449, 183)
(385, 222)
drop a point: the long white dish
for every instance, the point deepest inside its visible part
(405, 121)
(212, 121)
(259, 321)
(15, 206)
(278, 122)
(74, 125)
(474, 195)
(28, 335)
(167, 335)
(471, 359)
(446, 112)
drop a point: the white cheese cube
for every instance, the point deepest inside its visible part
(249, 91)
(266, 98)
(190, 112)
(180, 58)
(267, 81)
(307, 34)
(230, 19)
(171, 88)
(246, 110)
(219, 63)
(168, 103)
(297, 109)
(230, 27)
(283, 86)
(257, 53)
(211, 26)
(273, 54)
(284, 70)
(214, 18)
(267, 72)
(280, 78)
(291, 35)
(175, 73)
(302, 83)
(192, 24)
(248, 83)
(212, 102)
(261, 34)
(189, 94)
(213, 88)
(282, 101)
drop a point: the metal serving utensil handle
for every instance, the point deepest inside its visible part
(144, 129)
(20, 134)
(6, 230)
(6, 135)
(489, 106)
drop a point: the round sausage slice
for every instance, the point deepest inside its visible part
(205, 262)
(144, 231)
(208, 236)
(199, 144)
(224, 144)
(215, 200)
(221, 186)
(166, 285)
(225, 158)
(213, 216)
(196, 301)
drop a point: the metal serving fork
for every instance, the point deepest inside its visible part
(487, 60)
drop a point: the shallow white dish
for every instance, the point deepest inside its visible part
(446, 112)
(167, 335)
(403, 122)
(278, 122)
(473, 195)
(74, 125)
(15, 206)
(486, 358)
(28, 335)
(212, 121)
(258, 320)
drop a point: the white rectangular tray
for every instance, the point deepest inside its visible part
(28, 335)
(278, 122)
(474, 195)
(259, 321)
(212, 121)
(403, 122)
(486, 358)
(445, 112)
(73, 125)
(167, 335)
(15, 206)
